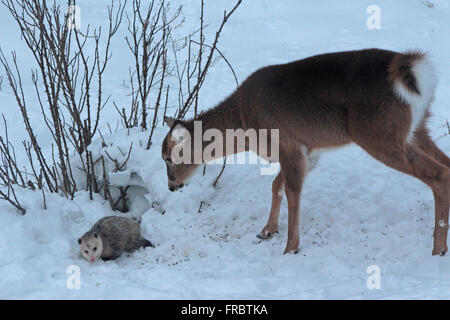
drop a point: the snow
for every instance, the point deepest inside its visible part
(355, 212)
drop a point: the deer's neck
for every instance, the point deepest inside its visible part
(226, 115)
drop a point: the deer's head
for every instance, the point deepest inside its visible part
(177, 152)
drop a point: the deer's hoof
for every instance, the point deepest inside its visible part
(291, 251)
(265, 235)
(440, 252)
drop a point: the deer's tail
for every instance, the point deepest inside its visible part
(414, 81)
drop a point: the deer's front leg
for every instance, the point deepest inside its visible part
(277, 196)
(294, 169)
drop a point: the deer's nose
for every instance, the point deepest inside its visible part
(175, 188)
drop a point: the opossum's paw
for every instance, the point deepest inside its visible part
(266, 234)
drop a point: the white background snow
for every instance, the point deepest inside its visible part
(355, 212)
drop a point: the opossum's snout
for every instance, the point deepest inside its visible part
(175, 188)
(91, 247)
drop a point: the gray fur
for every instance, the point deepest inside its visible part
(118, 234)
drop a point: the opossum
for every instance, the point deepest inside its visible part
(111, 236)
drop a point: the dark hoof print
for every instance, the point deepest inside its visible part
(442, 253)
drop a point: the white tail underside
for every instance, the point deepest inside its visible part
(426, 80)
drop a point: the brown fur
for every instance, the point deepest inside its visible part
(401, 68)
(328, 101)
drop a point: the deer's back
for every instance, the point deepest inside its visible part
(311, 99)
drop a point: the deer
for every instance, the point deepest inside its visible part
(377, 99)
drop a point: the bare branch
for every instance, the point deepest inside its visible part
(193, 95)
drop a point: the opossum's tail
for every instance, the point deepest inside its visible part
(138, 220)
(144, 243)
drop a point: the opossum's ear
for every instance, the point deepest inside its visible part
(95, 235)
(79, 241)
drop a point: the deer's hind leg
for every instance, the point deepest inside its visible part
(392, 149)
(277, 196)
(425, 143)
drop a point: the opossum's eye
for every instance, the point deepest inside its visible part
(95, 249)
(85, 251)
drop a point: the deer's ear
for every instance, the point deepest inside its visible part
(179, 132)
(178, 125)
(170, 121)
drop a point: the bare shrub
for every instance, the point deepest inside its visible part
(191, 78)
(148, 37)
(157, 55)
(10, 175)
(68, 84)
(118, 166)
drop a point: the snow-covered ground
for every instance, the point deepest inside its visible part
(355, 212)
